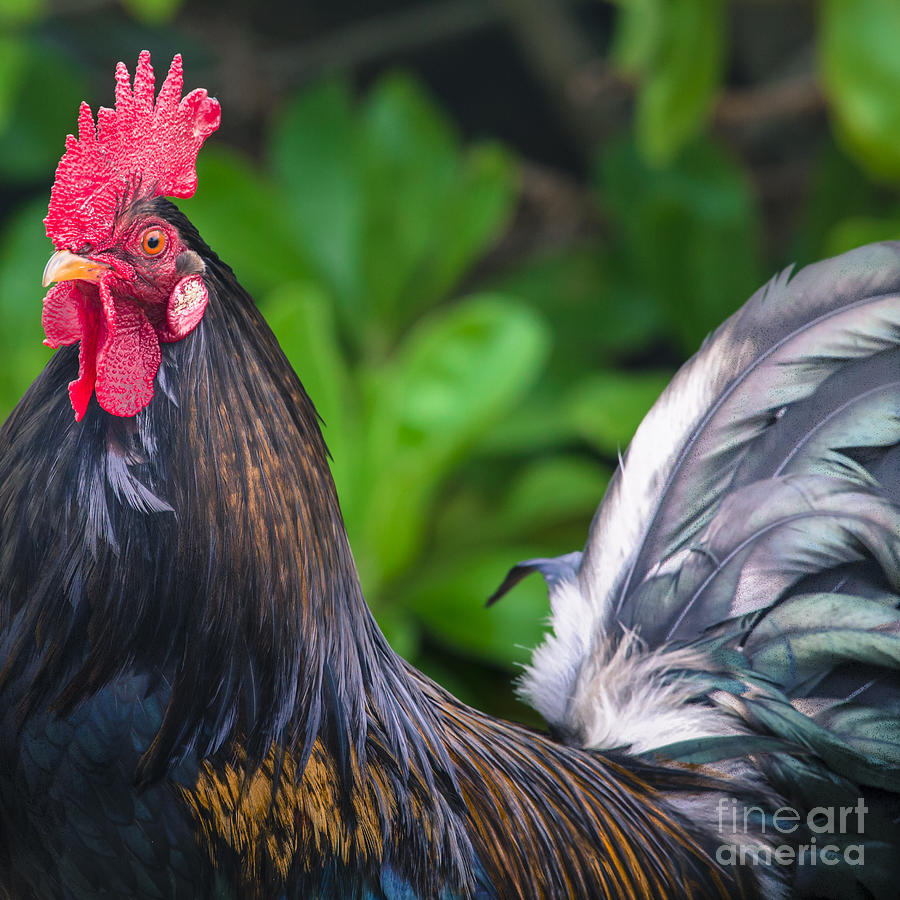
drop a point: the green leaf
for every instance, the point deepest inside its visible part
(405, 126)
(152, 12)
(315, 154)
(685, 236)
(839, 190)
(475, 215)
(21, 12)
(386, 204)
(461, 367)
(854, 231)
(544, 428)
(607, 407)
(682, 75)
(598, 314)
(414, 173)
(861, 72)
(638, 33)
(399, 626)
(549, 500)
(433, 209)
(46, 91)
(24, 250)
(449, 601)
(413, 169)
(550, 491)
(240, 215)
(13, 58)
(455, 375)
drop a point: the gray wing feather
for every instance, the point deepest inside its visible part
(755, 523)
(777, 350)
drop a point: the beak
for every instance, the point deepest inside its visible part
(65, 266)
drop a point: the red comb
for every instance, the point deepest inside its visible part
(138, 148)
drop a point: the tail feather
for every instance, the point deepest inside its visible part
(738, 599)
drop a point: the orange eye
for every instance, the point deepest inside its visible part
(153, 241)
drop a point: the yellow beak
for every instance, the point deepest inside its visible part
(65, 266)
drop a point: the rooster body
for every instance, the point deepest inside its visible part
(196, 702)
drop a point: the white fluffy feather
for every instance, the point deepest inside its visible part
(603, 693)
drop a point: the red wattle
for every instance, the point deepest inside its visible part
(119, 354)
(70, 316)
(81, 389)
(128, 357)
(60, 314)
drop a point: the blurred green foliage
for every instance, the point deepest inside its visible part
(475, 412)
(676, 51)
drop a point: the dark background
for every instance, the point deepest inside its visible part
(486, 234)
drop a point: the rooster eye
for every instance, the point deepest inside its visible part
(153, 241)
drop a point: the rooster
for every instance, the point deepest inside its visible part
(196, 702)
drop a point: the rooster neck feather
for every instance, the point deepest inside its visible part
(214, 554)
(211, 554)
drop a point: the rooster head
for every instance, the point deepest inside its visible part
(125, 280)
